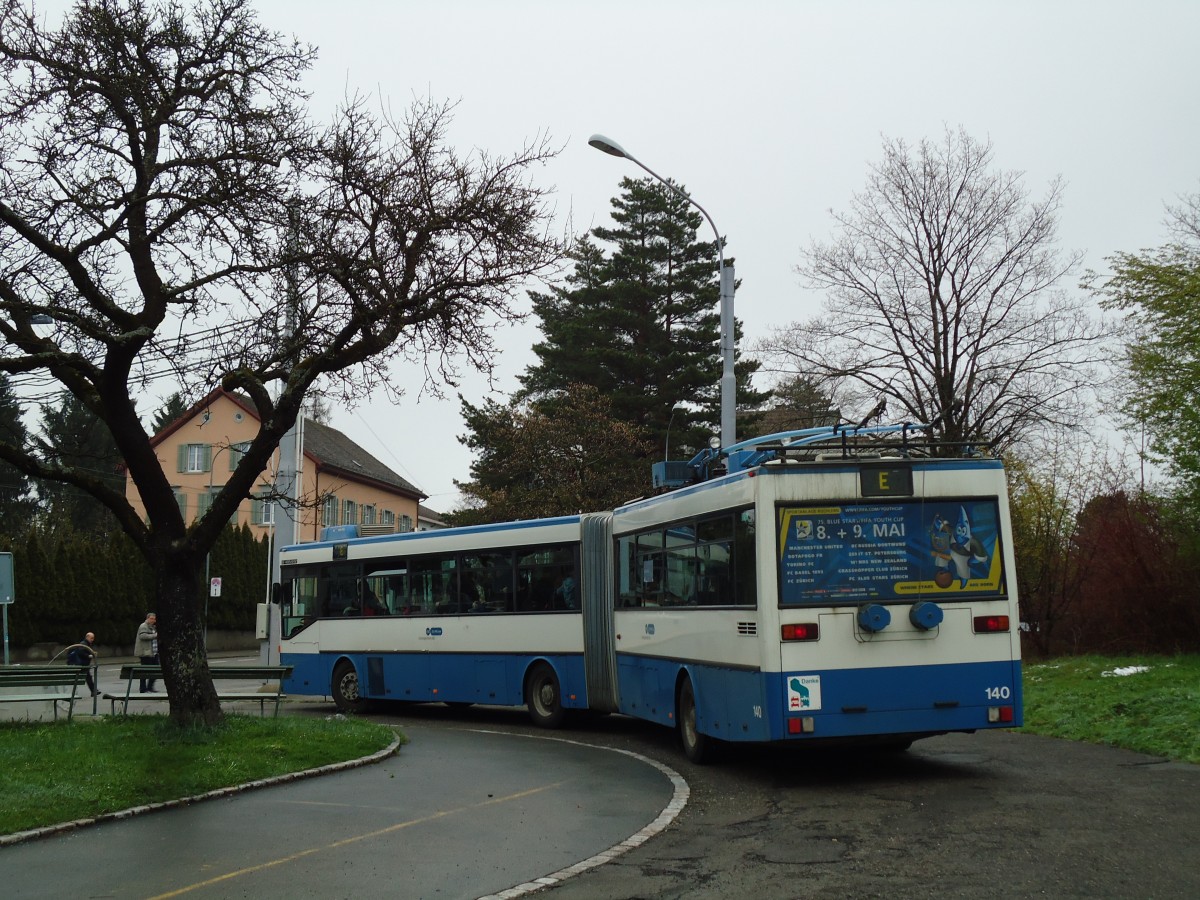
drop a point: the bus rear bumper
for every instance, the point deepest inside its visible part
(916, 701)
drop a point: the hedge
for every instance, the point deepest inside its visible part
(67, 583)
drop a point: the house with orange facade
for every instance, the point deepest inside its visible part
(340, 483)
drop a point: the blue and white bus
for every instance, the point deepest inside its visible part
(830, 584)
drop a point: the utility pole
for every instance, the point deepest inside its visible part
(286, 505)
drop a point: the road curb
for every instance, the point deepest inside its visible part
(48, 830)
(681, 793)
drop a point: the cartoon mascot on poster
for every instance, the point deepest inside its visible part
(939, 547)
(965, 548)
(954, 552)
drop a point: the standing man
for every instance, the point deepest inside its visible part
(145, 648)
(82, 654)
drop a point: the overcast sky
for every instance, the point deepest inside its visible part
(769, 113)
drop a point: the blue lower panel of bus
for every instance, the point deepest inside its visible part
(901, 700)
(744, 705)
(493, 679)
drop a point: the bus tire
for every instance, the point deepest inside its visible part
(543, 697)
(696, 746)
(345, 688)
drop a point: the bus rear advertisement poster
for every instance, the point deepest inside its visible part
(886, 551)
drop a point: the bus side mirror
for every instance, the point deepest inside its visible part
(276, 593)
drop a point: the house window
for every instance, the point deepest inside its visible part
(368, 514)
(195, 457)
(181, 500)
(262, 508)
(349, 512)
(205, 499)
(329, 510)
(406, 523)
(388, 517)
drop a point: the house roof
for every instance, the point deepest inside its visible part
(194, 410)
(334, 452)
(428, 515)
(329, 448)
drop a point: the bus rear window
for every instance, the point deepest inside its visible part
(853, 552)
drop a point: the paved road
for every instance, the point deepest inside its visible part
(459, 813)
(995, 814)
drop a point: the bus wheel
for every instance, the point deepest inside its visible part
(345, 688)
(543, 697)
(696, 746)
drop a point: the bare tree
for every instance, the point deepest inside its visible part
(1048, 493)
(943, 299)
(799, 401)
(168, 212)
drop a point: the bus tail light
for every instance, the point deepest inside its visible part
(801, 725)
(802, 631)
(990, 624)
(998, 714)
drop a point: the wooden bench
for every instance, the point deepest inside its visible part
(274, 692)
(52, 680)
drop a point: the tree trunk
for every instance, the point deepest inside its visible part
(184, 658)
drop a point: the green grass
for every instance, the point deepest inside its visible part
(53, 772)
(1156, 711)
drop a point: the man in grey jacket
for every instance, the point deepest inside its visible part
(145, 648)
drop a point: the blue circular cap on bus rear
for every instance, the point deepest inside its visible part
(873, 617)
(926, 615)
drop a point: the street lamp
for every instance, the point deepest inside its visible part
(728, 383)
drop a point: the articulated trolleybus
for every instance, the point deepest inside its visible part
(831, 584)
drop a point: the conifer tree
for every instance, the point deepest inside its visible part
(642, 324)
(75, 437)
(16, 501)
(172, 409)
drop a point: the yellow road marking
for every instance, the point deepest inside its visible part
(249, 870)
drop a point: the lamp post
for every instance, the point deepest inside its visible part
(728, 382)
(667, 443)
(212, 464)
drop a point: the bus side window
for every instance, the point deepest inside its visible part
(541, 591)
(547, 579)
(325, 601)
(370, 602)
(744, 560)
(647, 574)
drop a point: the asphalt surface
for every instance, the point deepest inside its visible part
(988, 815)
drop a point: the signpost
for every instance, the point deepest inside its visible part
(7, 591)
